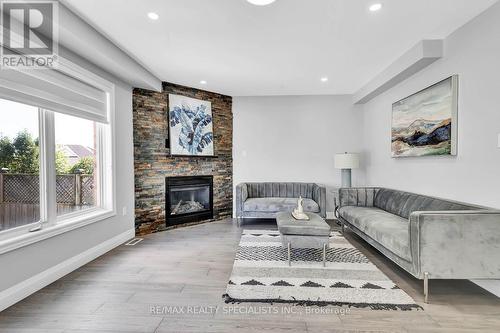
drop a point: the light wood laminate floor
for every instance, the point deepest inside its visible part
(188, 268)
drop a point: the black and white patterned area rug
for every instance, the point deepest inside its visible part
(261, 274)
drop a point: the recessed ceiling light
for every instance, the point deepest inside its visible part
(153, 16)
(261, 2)
(203, 82)
(324, 79)
(375, 7)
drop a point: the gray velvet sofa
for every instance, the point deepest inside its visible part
(264, 200)
(430, 238)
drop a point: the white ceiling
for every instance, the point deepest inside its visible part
(280, 49)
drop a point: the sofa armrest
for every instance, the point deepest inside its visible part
(357, 196)
(456, 244)
(241, 197)
(319, 195)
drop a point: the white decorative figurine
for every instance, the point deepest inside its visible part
(298, 213)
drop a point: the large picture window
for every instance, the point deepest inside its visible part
(75, 177)
(56, 152)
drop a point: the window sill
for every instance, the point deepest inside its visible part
(51, 230)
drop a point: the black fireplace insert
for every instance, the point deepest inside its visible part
(188, 199)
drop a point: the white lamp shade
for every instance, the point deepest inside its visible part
(346, 161)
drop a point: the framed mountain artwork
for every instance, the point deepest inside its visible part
(190, 126)
(425, 123)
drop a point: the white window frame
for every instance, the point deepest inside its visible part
(50, 224)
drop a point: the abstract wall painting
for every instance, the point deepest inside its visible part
(425, 123)
(190, 126)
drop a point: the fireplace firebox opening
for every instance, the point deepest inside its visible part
(188, 199)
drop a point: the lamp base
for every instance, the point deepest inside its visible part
(346, 177)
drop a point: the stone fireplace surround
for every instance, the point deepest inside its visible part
(152, 162)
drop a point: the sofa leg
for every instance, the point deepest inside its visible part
(342, 227)
(426, 287)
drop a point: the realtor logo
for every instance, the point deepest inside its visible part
(29, 34)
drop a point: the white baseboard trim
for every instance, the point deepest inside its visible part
(14, 294)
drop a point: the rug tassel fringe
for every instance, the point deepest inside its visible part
(402, 307)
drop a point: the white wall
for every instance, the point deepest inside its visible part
(294, 138)
(29, 268)
(472, 52)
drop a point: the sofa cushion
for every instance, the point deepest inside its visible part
(273, 205)
(388, 229)
(404, 203)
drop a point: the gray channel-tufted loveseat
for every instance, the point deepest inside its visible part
(431, 238)
(264, 200)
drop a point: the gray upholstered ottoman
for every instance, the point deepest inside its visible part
(314, 233)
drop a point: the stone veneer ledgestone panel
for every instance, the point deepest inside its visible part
(152, 161)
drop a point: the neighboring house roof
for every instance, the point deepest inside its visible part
(75, 152)
(80, 151)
